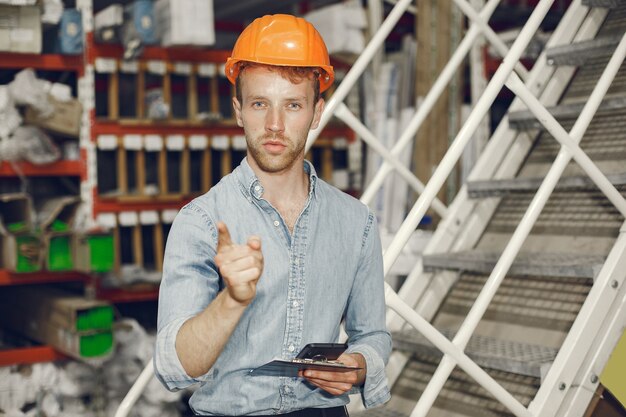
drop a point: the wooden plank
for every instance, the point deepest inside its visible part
(167, 88)
(159, 246)
(207, 179)
(163, 188)
(141, 91)
(122, 168)
(113, 92)
(214, 97)
(185, 181)
(192, 94)
(140, 165)
(327, 164)
(137, 245)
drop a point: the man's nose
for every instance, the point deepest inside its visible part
(275, 121)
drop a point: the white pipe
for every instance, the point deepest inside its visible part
(410, 9)
(465, 134)
(441, 173)
(368, 137)
(491, 36)
(394, 302)
(135, 391)
(429, 101)
(358, 67)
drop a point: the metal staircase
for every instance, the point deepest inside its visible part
(519, 298)
(546, 287)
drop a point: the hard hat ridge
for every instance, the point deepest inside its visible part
(281, 40)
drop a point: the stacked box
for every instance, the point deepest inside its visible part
(185, 22)
(20, 29)
(57, 223)
(76, 326)
(20, 246)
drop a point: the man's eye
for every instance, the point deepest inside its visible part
(257, 104)
(295, 106)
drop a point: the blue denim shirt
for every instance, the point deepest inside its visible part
(328, 269)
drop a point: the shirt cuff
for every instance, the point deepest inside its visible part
(167, 366)
(375, 390)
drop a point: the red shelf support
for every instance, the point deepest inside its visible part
(59, 168)
(11, 60)
(43, 277)
(189, 54)
(29, 355)
(132, 295)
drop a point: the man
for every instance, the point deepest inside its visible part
(273, 258)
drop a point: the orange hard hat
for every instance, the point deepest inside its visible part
(282, 40)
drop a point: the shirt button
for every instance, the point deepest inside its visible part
(296, 261)
(295, 303)
(287, 390)
(276, 223)
(257, 188)
(291, 348)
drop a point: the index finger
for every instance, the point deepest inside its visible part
(223, 236)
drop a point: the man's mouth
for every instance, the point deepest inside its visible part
(274, 146)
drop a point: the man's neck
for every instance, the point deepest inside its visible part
(282, 188)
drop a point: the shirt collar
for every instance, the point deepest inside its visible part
(252, 186)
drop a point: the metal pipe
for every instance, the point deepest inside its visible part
(368, 137)
(358, 67)
(429, 102)
(443, 170)
(491, 36)
(135, 391)
(442, 343)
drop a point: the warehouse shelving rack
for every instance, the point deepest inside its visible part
(97, 207)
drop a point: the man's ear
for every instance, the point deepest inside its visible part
(319, 109)
(237, 109)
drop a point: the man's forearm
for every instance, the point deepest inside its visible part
(202, 338)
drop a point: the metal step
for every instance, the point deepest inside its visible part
(533, 264)
(567, 213)
(577, 54)
(460, 395)
(536, 303)
(500, 188)
(525, 120)
(488, 352)
(607, 4)
(380, 412)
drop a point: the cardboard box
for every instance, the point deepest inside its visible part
(94, 252)
(57, 217)
(20, 246)
(74, 325)
(185, 22)
(20, 29)
(65, 118)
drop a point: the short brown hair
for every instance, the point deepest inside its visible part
(294, 74)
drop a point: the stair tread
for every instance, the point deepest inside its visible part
(490, 352)
(578, 53)
(534, 264)
(525, 120)
(498, 188)
(608, 4)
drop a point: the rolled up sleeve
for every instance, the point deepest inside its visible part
(190, 282)
(365, 318)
